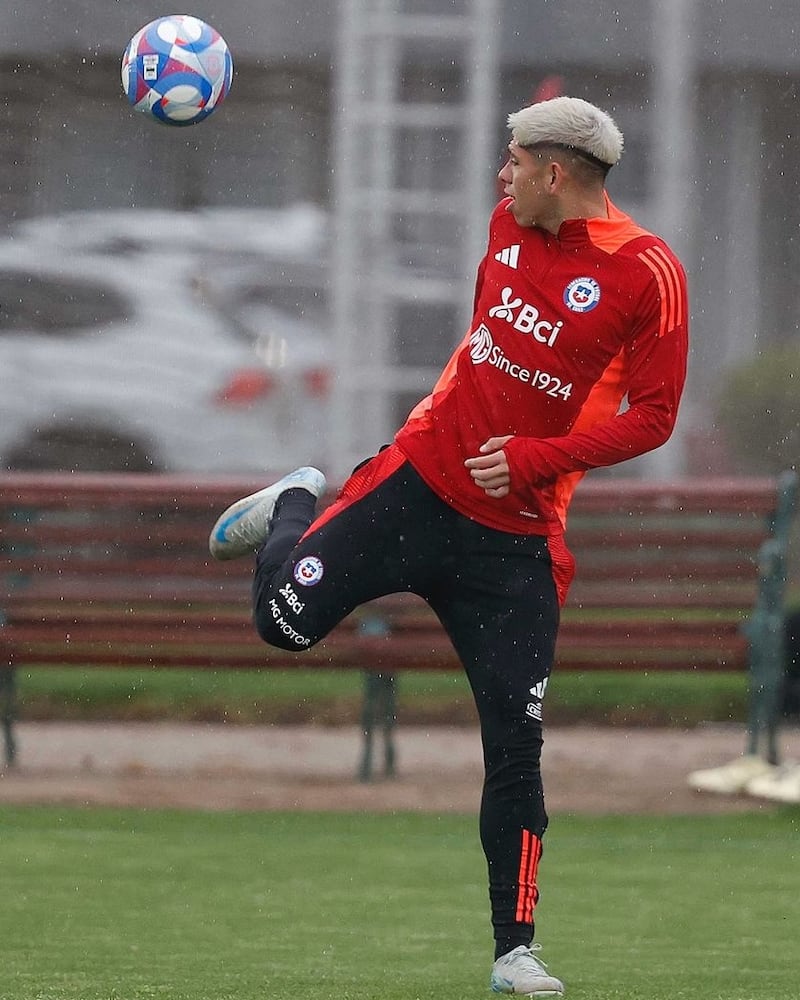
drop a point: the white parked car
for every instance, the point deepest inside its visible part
(176, 341)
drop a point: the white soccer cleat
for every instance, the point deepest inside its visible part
(244, 526)
(782, 785)
(732, 778)
(520, 973)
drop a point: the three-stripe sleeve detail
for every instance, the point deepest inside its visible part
(670, 288)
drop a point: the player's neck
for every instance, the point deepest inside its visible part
(580, 206)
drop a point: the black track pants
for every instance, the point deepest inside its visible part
(495, 596)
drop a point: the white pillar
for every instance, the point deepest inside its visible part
(672, 143)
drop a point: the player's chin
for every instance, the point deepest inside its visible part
(521, 218)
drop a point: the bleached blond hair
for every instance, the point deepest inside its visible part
(569, 123)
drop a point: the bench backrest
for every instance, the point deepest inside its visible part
(666, 573)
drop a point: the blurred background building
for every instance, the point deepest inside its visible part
(280, 283)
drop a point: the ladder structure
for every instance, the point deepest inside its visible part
(416, 123)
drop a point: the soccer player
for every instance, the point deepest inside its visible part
(575, 358)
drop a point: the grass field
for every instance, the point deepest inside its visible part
(664, 698)
(124, 905)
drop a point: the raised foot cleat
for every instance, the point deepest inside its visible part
(520, 973)
(244, 526)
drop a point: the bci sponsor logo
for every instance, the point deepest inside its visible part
(525, 317)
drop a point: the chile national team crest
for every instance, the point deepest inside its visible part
(582, 295)
(308, 571)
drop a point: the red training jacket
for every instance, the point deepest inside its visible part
(564, 329)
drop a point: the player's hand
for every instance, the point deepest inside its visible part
(489, 469)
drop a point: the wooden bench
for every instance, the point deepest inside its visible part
(112, 570)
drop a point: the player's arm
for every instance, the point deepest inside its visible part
(645, 425)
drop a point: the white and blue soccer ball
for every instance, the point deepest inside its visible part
(177, 69)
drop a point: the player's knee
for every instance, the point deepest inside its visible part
(276, 629)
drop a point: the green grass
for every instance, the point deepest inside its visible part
(331, 697)
(123, 905)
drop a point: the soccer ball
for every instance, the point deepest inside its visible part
(177, 69)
